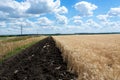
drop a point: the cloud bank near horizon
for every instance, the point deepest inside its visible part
(50, 16)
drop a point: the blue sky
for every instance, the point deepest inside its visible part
(59, 16)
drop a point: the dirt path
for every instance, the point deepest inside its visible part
(42, 61)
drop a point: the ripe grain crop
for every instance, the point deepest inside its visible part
(6, 38)
(92, 57)
(10, 45)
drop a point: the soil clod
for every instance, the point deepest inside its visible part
(42, 61)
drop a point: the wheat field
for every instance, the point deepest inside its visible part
(92, 57)
(11, 44)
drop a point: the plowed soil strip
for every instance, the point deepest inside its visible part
(42, 61)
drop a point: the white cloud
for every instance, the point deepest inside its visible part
(2, 24)
(42, 6)
(103, 17)
(44, 21)
(91, 23)
(85, 8)
(13, 8)
(61, 10)
(13, 14)
(3, 16)
(109, 19)
(114, 11)
(29, 8)
(61, 19)
(76, 17)
(78, 22)
(110, 24)
(16, 24)
(27, 23)
(12, 4)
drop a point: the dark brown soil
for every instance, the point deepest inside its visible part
(42, 61)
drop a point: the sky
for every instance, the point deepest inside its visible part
(59, 16)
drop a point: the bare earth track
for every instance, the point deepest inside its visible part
(42, 61)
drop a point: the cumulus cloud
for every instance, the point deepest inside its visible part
(114, 11)
(21, 22)
(103, 17)
(2, 24)
(16, 13)
(27, 23)
(29, 8)
(76, 17)
(92, 23)
(3, 16)
(85, 8)
(42, 6)
(6, 9)
(13, 9)
(61, 10)
(61, 19)
(44, 21)
(77, 20)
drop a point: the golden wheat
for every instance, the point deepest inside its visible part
(92, 57)
(6, 47)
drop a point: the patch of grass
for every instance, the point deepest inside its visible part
(6, 47)
(15, 51)
(17, 39)
(5, 38)
(1, 38)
